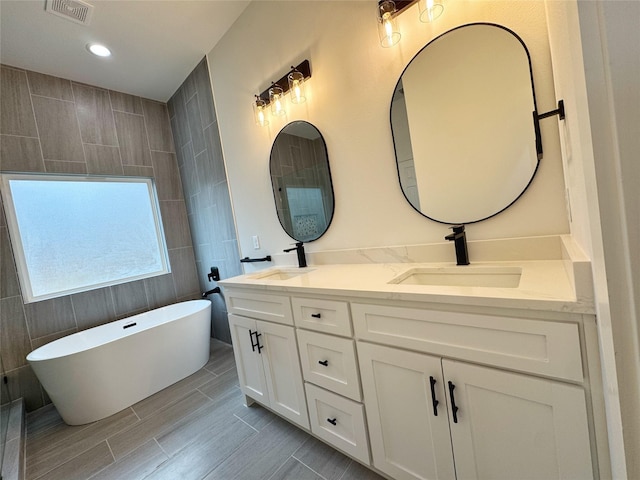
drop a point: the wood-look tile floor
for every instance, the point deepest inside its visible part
(195, 429)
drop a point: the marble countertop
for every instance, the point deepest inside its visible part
(561, 285)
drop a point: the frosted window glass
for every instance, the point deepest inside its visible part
(73, 234)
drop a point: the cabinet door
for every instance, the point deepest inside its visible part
(408, 440)
(516, 426)
(248, 360)
(282, 371)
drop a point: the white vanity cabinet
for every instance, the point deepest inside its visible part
(328, 357)
(432, 417)
(377, 371)
(266, 354)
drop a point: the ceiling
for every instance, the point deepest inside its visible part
(155, 43)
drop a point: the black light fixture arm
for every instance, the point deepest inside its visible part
(536, 124)
(304, 68)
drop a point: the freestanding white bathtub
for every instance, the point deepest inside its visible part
(95, 373)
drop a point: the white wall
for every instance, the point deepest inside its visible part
(349, 99)
(596, 57)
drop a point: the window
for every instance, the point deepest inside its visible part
(75, 233)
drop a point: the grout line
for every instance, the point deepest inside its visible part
(35, 121)
(19, 136)
(247, 424)
(128, 113)
(162, 449)
(53, 98)
(298, 460)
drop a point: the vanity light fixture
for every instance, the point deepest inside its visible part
(388, 11)
(430, 10)
(387, 23)
(276, 99)
(260, 112)
(293, 81)
(296, 86)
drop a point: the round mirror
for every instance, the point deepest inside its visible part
(462, 124)
(301, 181)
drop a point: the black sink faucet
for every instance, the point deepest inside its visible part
(459, 238)
(299, 248)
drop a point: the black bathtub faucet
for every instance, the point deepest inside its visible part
(299, 248)
(459, 238)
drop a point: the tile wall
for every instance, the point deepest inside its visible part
(50, 124)
(204, 182)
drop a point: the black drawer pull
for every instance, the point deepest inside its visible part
(454, 409)
(316, 315)
(324, 362)
(332, 421)
(433, 396)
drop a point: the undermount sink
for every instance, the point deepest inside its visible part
(279, 274)
(464, 276)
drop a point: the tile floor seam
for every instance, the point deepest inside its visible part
(279, 468)
(246, 423)
(64, 463)
(317, 473)
(106, 466)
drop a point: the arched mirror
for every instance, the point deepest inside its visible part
(301, 181)
(463, 124)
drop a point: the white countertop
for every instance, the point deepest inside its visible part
(549, 285)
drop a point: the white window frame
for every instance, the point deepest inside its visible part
(17, 244)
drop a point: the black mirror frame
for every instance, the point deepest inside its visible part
(273, 187)
(534, 125)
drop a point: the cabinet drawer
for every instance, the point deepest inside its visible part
(326, 316)
(338, 421)
(274, 308)
(329, 362)
(535, 346)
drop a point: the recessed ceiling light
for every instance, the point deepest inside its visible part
(99, 50)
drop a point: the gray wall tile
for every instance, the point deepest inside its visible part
(176, 224)
(40, 341)
(125, 103)
(156, 117)
(49, 316)
(16, 114)
(129, 297)
(132, 137)
(205, 95)
(195, 121)
(20, 154)
(179, 123)
(93, 308)
(55, 166)
(24, 383)
(48, 86)
(203, 176)
(167, 175)
(137, 171)
(160, 291)
(14, 337)
(183, 269)
(103, 160)
(212, 141)
(95, 116)
(59, 131)
(9, 286)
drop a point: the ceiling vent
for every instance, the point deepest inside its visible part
(75, 10)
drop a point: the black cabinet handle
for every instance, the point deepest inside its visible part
(257, 342)
(454, 409)
(316, 315)
(253, 345)
(324, 362)
(332, 421)
(433, 396)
